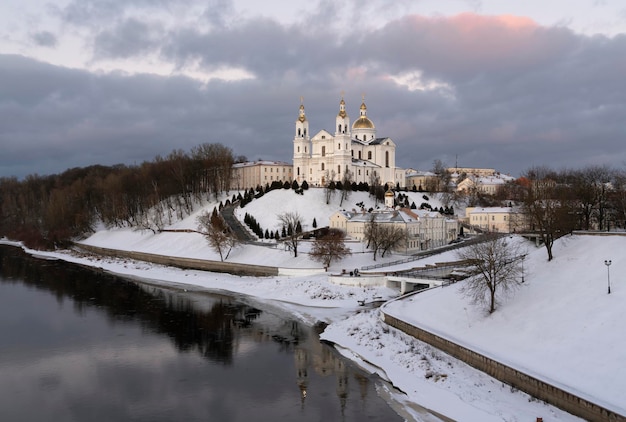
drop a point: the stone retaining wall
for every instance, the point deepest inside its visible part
(186, 263)
(537, 388)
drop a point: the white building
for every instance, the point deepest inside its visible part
(352, 148)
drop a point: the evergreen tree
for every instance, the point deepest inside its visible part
(314, 223)
(295, 185)
(305, 185)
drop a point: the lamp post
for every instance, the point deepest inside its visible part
(608, 275)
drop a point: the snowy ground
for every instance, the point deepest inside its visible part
(561, 323)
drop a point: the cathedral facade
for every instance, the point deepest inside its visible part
(353, 152)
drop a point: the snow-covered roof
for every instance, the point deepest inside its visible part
(404, 215)
(261, 163)
(417, 173)
(493, 210)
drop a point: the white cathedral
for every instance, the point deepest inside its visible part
(354, 149)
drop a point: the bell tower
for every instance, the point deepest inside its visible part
(301, 146)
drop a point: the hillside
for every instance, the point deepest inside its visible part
(266, 209)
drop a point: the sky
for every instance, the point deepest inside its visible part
(474, 83)
(560, 325)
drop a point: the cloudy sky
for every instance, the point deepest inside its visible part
(485, 83)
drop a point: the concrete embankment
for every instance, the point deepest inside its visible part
(202, 264)
(559, 397)
(186, 263)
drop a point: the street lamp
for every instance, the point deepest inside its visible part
(608, 275)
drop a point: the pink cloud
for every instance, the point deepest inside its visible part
(470, 43)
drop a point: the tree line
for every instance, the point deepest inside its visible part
(556, 202)
(50, 211)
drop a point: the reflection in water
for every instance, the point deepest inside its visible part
(261, 364)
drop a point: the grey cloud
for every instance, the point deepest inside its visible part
(44, 39)
(127, 39)
(95, 13)
(217, 12)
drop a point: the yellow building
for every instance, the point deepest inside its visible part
(496, 219)
(260, 173)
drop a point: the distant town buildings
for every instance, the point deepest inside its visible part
(423, 229)
(352, 149)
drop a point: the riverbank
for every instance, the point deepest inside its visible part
(425, 375)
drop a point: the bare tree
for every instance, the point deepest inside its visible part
(376, 188)
(548, 206)
(382, 237)
(216, 166)
(442, 180)
(497, 269)
(217, 233)
(329, 185)
(330, 247)
(346, 186)
(292, 222)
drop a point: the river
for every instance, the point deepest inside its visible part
(81, 345)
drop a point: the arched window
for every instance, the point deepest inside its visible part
(304, 131)
(299, 132)
(339, 145)
(298, 149)
(322, 166)
(386, 158)
(339, 169)
(323, 152)
(298, 171)
(339, 128)
(369, 155)
(359, 155)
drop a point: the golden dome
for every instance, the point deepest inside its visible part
(389, 193)
(363, 122)
(302, 117)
